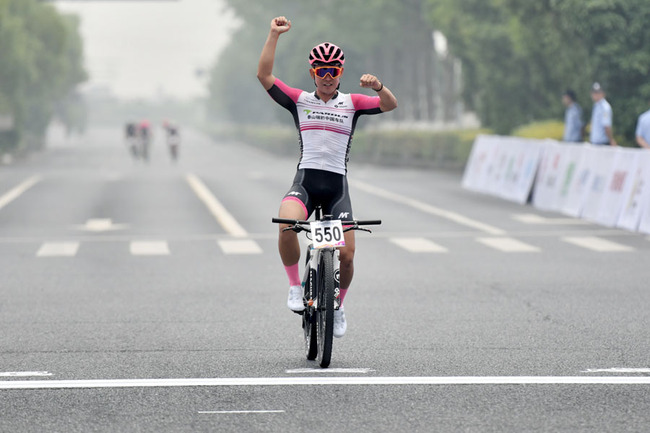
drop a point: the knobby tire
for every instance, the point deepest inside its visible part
(325, 310)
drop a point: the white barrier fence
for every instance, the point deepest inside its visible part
(606, 185)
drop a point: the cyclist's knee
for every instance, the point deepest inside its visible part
(346, 256)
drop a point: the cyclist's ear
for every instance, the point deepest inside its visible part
(312, 73)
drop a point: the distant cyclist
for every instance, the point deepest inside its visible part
(144, 132)
(173, 139)
(131, 137)
(326, 119)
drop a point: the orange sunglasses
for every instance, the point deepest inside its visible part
(333, 71)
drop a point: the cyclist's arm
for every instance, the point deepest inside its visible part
(279, 25)
(387, 101)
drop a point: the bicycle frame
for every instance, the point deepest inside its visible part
(321, 287)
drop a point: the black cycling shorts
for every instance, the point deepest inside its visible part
(313, 187)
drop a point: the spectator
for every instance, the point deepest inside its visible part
(601, 118)
(643, 130)
(573, 124)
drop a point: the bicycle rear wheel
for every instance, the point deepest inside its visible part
(325, 307)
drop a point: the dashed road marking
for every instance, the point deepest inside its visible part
(149, 248)
(508, 245)
(58, 249)
(530, 218)
(618, 370)
(597, 244)
(329, 370)
(419, 245)
(25, 373)
(238, 412)
(240, 246)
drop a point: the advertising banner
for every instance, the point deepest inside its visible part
(578, 186)
(503, 166)
(556, 171)
(637, 198)
(601, 171)
(617, 186)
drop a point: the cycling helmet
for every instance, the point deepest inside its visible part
(326, 53)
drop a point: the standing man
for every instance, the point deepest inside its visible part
(643, 130)
(601, 118)
(573, 124)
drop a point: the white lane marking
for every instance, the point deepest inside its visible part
(427, 208)
(58, 249)
(302, 381)
(597, 244)
(224, 218)
(25, 374)
(237, 412)
(617, 370)
(329, 370)
(245, 246)
(16, 192)
(508, 245)
(419, 245)
(101, 225)
(149, 248)
(530, 218)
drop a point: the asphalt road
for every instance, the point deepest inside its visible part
(150, 298)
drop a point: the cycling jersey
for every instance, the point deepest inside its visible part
(325, 128)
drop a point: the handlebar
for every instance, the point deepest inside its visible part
(299, 225)
(345, 223)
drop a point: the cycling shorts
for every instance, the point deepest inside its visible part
(313, 187)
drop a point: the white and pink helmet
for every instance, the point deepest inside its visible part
(326, 53)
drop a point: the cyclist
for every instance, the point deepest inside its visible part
(144, 129)
(130, 135)
(325, 119)
(173, 139)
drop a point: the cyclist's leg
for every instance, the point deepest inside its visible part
(288, 244)
(295, 205)
(341, 208)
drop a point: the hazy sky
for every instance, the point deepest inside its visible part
(150, 48)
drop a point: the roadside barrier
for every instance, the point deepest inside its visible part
(606, 185)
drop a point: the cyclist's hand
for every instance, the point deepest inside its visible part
(280, 25)
(369, 81)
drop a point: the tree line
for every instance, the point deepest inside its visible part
(40, 67)
(517, 56)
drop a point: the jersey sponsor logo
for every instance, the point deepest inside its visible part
(344, 215)
(307, 112)
(294, 193)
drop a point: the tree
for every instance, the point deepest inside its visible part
(41, 66)
(390, 39)
(518, 56)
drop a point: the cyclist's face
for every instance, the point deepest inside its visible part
(325, 85)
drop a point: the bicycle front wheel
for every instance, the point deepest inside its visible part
(325, 308)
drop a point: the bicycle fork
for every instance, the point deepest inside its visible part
(311, 276)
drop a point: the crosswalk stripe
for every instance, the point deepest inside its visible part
(597, 244)
(240, 246)
(508, 245)
(149, 248)
(419, 245)
(58, 249)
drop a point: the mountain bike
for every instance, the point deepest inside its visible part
(321, 279)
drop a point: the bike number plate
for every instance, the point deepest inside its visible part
(327, 234)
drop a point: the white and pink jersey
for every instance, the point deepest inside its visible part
(325, 128)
